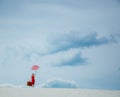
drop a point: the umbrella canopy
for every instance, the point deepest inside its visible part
(35, 67)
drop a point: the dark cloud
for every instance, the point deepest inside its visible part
(68, 42)
(73, 61)
(58, 83)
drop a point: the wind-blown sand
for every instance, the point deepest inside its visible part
(56, 92)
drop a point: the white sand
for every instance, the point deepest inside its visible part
(52, 92)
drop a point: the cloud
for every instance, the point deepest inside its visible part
(63, 51)
(59, 83)
(18, 57)
(10, 86)
(67, 42)
(73, 61)
(72, 57)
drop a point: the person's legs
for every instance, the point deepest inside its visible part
(33, 84)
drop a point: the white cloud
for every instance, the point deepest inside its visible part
(10, 86)
(59, 83)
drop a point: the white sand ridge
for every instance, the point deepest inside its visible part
(56, 92)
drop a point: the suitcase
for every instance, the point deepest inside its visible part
(29, 83)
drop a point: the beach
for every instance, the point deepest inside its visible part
(56, 92)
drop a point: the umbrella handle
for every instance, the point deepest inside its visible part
(35, 72)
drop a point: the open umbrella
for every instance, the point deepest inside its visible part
(35, 68)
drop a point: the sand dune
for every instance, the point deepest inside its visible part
(53, 92)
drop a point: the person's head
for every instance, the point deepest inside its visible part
(33, 74)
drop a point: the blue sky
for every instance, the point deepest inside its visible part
(76, 43)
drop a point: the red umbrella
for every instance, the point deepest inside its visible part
(35, 67)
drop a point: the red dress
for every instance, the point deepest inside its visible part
(33, 79)
(32, 82)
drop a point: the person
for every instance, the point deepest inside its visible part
(32, 81)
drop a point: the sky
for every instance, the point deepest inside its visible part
(76, 43)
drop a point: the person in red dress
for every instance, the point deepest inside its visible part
(32, 81)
